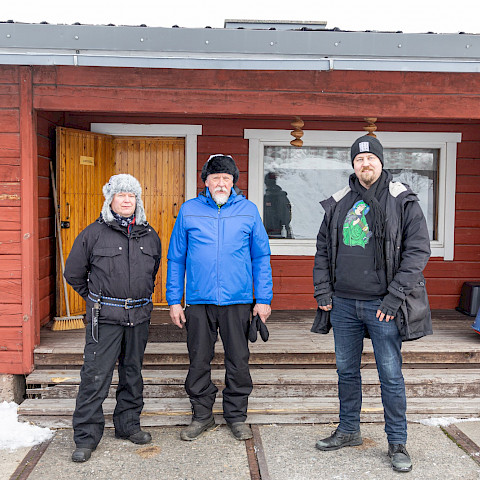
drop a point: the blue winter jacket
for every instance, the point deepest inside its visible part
(224, 253)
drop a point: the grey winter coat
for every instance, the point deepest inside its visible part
(105, 258)
(407, 250)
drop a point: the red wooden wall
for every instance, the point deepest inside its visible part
(46, 124)
(33, 100)
(293, 286)
(10, 220)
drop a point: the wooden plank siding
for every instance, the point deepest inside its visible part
(292, 276)
(46, 124)
(10, 222)
(260, 93)
(29, 219)
(224, 103)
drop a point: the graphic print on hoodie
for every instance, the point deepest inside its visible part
(355, 228)
(355, 274)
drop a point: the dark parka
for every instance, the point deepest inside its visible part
(105, 258)
(407, 250)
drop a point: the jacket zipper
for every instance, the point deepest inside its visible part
(218, 255)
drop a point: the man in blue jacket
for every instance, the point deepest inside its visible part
(220, 244)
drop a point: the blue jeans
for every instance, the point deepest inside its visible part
(350, 319)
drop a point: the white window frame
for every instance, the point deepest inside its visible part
(445, 142)
(189, 132)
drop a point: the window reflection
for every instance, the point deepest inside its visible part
(296, 180)
(277, 210)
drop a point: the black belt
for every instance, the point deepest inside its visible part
(126, 303)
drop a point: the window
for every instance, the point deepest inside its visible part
(287, 183)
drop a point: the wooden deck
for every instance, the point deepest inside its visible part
(294, 374)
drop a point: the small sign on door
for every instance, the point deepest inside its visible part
(87, 161)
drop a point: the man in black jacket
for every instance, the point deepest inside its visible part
(372, 247)
(112, 265)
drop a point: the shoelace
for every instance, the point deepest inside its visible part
(399, 449)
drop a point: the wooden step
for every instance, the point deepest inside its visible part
(57, 413)
(290, 343)
(274, 383)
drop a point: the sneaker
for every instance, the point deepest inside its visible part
(196, 429)
(139, 438)
(339, 440)
(81, 454)
(400, 458)
(240, 430)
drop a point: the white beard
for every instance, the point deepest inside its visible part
(220, 198)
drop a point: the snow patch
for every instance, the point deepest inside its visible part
(15, 434)
(445, 421)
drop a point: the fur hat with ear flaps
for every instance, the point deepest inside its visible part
(220, 163)
(123, 182)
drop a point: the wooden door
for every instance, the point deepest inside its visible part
(85, 162)
(159, 165)
(84, 165)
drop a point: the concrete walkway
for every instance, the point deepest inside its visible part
(285, 452)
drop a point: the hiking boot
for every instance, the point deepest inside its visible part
(139, 438)
(339, 440)
(400, 458)
(81, 454)
(240, 430)
(196, 429)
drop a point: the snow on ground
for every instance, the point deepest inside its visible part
(15, 434)
(445, 421)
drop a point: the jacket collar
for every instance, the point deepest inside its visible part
(136, 231)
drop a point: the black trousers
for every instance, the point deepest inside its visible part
(127, 345)
(203, 322)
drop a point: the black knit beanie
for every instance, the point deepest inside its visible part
(220, 163)
(367, 144)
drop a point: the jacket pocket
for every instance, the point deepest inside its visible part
(148, 259)
(106, 259)
(414, 318)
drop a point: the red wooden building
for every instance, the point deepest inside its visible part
(157, 102)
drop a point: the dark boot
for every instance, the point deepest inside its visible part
(81, 454)
(139, 438)
(339, 440)
(240, 430)
(400, 458)
(196, 429)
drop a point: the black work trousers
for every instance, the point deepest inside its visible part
(203, 322)
(115, 342)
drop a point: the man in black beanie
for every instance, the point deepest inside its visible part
(372, 247)
(220, 244)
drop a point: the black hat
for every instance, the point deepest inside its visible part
(220, 163)
(367, 144)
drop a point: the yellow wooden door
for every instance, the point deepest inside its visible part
(84, 165)
(159, 165)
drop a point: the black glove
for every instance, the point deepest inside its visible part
(257, 325)
(323, 300)
(390, 304)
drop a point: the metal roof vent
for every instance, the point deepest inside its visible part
(275, 24)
